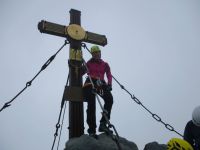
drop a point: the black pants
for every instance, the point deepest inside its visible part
(91, 107)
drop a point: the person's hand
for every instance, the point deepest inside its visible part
(109, 87)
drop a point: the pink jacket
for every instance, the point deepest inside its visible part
(98, 68)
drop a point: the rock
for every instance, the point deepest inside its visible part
(104, 142)
(155, 146)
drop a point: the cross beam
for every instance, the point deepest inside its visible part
(75, 35)
(66, 31)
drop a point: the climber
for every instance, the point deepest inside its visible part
(192, 129)
(96, 68)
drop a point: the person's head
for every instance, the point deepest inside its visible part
(96, 52)
(196, 116)
(178, 144)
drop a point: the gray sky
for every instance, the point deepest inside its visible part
(153, 50)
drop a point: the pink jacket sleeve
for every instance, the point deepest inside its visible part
(108, 74)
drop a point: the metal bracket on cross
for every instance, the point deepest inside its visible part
(73, 93)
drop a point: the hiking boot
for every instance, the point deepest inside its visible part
(103, 127)
(93, 135)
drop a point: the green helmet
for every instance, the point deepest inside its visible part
(95, 48)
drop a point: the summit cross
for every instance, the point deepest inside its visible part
(75, 34)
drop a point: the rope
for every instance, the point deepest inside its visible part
(7, 104)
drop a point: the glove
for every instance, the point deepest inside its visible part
(109, 87)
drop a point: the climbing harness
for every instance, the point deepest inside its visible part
(7, 104)
(155, 116)
(99, 85)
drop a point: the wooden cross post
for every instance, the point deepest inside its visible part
(75, 34)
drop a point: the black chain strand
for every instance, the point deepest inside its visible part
(63, 104)
(155, 116)
(7, 104)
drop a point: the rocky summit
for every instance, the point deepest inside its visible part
(106, 142)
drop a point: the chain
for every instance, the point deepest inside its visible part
(7, 104)
(155, 116)
(135, 99)
(58, 123)
(63, 117)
